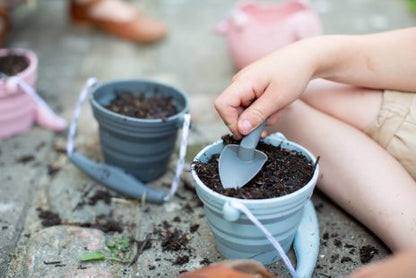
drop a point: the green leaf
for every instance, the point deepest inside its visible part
(123, 261)
(124, 244)
(119, 244)
(110, 245)
(92, 256)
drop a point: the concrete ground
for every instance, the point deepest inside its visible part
(193, 58)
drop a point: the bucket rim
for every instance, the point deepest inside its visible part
(102, 109)
(28, 54)
(311, 183)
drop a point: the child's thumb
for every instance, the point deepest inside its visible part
(256, 113)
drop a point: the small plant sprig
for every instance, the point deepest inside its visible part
(119, 248)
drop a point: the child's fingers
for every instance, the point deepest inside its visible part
(231, 103)
(259, 110)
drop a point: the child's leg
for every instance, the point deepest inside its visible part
(358, 107)
(356, 173)
(400, 265)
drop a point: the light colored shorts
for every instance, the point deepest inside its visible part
(395, 128)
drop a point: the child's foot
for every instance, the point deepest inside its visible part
(119, 18)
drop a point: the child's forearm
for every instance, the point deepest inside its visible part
(383, 60)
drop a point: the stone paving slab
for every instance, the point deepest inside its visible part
(192, 58)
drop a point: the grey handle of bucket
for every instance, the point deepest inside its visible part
(306, 242)
(249, 143)
(116, 179)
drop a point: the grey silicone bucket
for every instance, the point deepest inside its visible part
(240, 238)
(141, 147)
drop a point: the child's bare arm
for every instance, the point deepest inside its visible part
(383, 60)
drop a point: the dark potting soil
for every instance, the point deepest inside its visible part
(99, 195)
(284, 172)
(105, 225)
(11, 64)
(342, 250)
(102, 222)
(25, 158)
(172, 239)
(367, 252)
(137, 105)
(49, 218)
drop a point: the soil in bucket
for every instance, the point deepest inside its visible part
(137, 105)
(283, 173)
(12, 63)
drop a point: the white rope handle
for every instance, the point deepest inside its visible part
(182, 153)
(241, 207)
(74, 122)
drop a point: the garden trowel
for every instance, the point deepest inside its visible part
(238, 164)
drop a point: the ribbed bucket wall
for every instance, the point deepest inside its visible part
(281, 215)
(17, 114)
(17, 109)
(142, 147)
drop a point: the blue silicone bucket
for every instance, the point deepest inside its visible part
(141, 147)
(236, 237)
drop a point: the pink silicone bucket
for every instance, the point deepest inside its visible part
(17, 109)
(254, 29)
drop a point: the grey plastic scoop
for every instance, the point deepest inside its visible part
(238, 164)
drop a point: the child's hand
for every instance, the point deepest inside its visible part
(265, 87)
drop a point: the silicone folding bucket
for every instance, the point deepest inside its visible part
(141, 147)
(255, 28)
(238, 237)
(17, 109)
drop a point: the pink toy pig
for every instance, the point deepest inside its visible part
(20, 105)
(253, 30)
